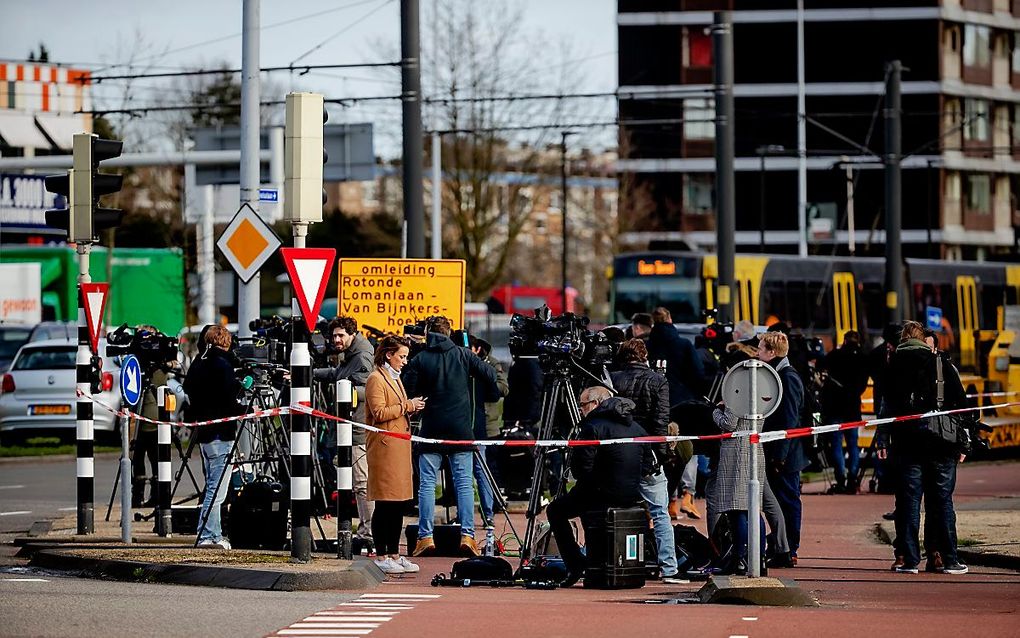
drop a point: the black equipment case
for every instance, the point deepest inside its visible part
(258, 516)
(615, 548)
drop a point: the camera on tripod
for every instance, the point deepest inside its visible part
(559, 339)
(153, 349)
(423, 327)
(272, 338)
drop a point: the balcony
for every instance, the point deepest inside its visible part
(984, 6)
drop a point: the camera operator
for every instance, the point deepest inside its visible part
(441, 373)
(650, 393)
(486, 421)
(143, 443)
(212, 389)
(355, 363)
(607, 476)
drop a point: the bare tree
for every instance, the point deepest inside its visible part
(479, 50)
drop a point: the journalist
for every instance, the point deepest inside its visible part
(441, 374)
(847, 368)
(354, 363)
(650, 393)
(212, 390)
(925, 460)
(607, 476)
(143, 436)
(389, 458)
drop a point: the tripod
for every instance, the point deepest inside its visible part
(498, 500)
(558, 395)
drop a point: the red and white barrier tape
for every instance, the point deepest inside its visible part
(763, 437)
(969, 396)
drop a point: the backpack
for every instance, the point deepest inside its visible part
(482, 568)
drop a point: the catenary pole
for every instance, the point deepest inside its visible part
(410, 97)
(563, 215)
(802, 247)
(249, 294)
(893, 194)
(722, 51)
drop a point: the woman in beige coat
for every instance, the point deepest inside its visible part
(389, 458)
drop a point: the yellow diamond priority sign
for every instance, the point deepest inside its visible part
(247, 243)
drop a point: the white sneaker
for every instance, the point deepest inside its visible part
(223, 544)
(408, 566)
(389, 566)
(208, 543)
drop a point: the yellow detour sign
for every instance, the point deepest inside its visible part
(388, 294)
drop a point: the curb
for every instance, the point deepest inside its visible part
(885, 532)
(360, 575)
(52, 458)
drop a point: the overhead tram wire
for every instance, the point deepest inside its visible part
(345, 29)
(304, 68)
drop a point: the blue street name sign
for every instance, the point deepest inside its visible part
(933, 317)
(131, 380)
(269, 194)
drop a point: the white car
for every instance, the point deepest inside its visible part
(37, 395)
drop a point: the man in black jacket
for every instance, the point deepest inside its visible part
(847, 379)
(926, 463)
(650, 394)
(607, 476)
(785, 459)
(354, 363)
(684, 371)
(212, 389)
(442, 374)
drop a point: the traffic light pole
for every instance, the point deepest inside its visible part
(410, 97)
(85, 434)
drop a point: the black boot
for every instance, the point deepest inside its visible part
(137, 492)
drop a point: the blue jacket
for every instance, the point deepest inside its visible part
(443, 373)
(786, 455)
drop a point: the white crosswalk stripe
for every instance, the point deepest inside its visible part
(358, 617)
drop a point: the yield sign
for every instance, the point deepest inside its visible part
(309, 270)
(94, 297)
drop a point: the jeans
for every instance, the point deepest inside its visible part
(935, 479)
(365, 506)
(786, 487)
(841, 467)
(215, 456)
(738, 527)
(656, 496)
(486, 499)
(778, 543)
(428, 469)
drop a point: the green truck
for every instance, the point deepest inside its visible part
(146, 284)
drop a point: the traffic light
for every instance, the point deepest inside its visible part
(95, 374)
(304, 157)
(82, 187)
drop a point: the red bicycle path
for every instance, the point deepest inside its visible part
(842, 564)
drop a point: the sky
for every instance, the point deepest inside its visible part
(167, 36)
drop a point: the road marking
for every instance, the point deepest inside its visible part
(749, 618)
(19, 512)
(25, 580)
(11, 487)
(352, 618)
(66, 509)
(738, 636)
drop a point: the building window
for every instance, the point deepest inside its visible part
(1015, 128)
(699, 48)
(1016, 53)
(699, 194)
(976, 125)
(979, 194)
(699, 119)
(976, 46)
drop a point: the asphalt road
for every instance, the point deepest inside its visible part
(42, 489)
(42, 604)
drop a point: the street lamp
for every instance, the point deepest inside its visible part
(769, 149)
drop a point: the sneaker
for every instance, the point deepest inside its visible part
(208, 543)
(956, 568)
(889, 516)
(389, 566)
(904, 569)
(468, 546)
(424, 547)
(223, 544)
(408, 566)
(934, 563)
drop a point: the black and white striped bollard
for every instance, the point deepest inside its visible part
(166, 402)
(300, 448)
(85, 426)
(344, 468)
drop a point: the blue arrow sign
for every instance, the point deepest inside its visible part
(269, 194)
(131, 380)
(933, 317)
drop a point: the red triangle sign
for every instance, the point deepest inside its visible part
(309, 270)
(94, 298)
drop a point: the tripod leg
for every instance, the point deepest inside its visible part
(498, 497)
(538, 472)
(227, 470)
(113, 493)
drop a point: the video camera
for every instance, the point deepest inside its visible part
(272, 338)
(559, 339)
(153, 349)
(423, 327)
